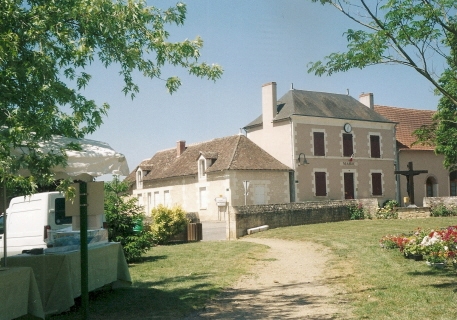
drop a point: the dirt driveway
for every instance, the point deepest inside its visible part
(288, 283)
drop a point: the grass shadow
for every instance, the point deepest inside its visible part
(145, 301)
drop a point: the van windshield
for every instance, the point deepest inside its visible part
(60, 217)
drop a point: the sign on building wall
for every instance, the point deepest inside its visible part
(221, 201)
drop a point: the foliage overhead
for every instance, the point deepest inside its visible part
(46, 47)
(419, 34)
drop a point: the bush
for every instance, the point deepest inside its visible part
(356, 211)
(389, 210)
(125, 221)
(440, 210)
(167, 222)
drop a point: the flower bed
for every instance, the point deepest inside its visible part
(435, 246)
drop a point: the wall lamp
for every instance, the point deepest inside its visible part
(302, 159)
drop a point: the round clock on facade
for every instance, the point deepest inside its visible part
(347, 127)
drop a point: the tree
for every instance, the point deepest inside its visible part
(125, 220)
(45, 50)
(409, 33)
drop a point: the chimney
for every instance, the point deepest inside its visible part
(180, 147)
(367, 99)
(269, 103)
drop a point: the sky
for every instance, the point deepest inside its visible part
(255, 42)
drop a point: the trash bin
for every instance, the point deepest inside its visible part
(138, 227)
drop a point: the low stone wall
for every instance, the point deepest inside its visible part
(292, 214)
(413, 213)
(433, 201)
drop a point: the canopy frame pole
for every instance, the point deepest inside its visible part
(4, 224)
(84, 251)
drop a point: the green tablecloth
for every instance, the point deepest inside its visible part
(58, 275)
(19, 294)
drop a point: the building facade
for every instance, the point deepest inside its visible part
(438, 181)
(209, 178)
(337, 147)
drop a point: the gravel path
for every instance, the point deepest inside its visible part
(288, 283)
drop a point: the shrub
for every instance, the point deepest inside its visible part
(440, 210)
(389, 210)
(124, 219)
(356, 211)
(167, 222)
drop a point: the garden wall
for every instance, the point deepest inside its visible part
(414, 212)
(434, 201)
(292, 214)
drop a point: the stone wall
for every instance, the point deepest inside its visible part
(433, 201)
(291, 214)
(413, 213)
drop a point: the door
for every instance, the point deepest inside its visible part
(348, 185)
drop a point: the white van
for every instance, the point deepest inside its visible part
(30, 217)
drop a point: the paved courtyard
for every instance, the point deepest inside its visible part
(213, 230)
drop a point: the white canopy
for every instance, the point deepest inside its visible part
(95, 158)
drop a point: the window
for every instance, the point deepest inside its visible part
(139, 179)
(376, 184)
(60, 217)
(156, 198)
(319, 143)
(321, 184)
(453, 183)
(429, 186)
(375, 146)
(348, 149)
(203, 200)
(167, 198)
(202, 168)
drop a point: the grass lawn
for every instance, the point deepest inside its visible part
(379, 284)
(173, 281)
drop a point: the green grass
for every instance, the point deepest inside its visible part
(174, 281)
(380, 283)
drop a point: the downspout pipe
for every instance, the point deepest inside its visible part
(292, 183)
(397, 168)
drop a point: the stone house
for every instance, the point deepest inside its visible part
(209, 178)
(337, 147)
(438, 182)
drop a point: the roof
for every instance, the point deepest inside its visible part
(228, 153)
(408, 120)
(321, 104)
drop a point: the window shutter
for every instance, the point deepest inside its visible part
(453, 183)
(321, 184)
(319, 144)
(348, 148)
(375, 147)
(376, 183)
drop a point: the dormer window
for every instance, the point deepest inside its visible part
(205, 160)
(202, 168)
(139, 179)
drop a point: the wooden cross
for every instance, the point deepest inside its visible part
(410, 173)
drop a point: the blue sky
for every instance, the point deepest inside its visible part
(256, 42)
